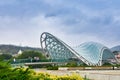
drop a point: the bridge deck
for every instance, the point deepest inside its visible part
(37, 63)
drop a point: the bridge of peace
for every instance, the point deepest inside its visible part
(89, 53)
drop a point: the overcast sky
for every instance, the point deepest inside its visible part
(72, 21)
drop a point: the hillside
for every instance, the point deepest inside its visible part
(116, 48)
(12, 49)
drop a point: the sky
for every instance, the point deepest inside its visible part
(73, 21)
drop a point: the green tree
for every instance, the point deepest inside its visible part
(7, 73)
(31, 54)
(5, 56)
(72, 64)
(83, 65)
(107, 64)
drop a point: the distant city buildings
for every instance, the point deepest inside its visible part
(18, 53)
(117, 55)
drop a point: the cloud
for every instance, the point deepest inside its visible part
(27, 30)
(74, 22)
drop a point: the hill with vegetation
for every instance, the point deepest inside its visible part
(12, 49)
(116, 48)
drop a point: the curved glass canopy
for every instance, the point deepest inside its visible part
(90, 53)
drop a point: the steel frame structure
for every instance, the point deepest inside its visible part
(58, 51)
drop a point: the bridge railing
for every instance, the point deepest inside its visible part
(17, 61)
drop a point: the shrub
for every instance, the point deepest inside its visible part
(46, 76)
(72, 64)
(7, 73)
(52, 68)
(15, 74)
(107, 64)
